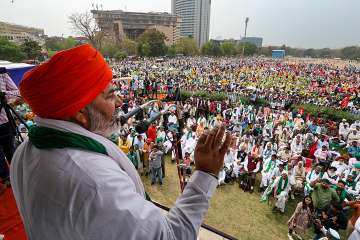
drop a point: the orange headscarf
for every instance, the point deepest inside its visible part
(66, 83)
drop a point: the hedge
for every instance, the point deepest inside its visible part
(326, 112)
(219, 96)
(314, 110)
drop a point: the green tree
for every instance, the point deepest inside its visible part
(351, 52)
(211, 48)
(152, 43)
(310, 52)
(229, 48)
(120, 55)
(109, 48)
(128, 46)
(53, 43)
(67, 43)
(186, 46)
(31, 48)
(324, 53)
(9, 51)
(57, 43)
(171, 51)
(248, 48)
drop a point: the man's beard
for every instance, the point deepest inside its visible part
(99, 124)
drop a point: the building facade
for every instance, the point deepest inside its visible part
(18, 34)
(195, 15)
(118, 24)
(257, 41)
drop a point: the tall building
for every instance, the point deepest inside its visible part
(18, 34)
(118, 24)
(195, 16)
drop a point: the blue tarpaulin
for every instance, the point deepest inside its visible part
(278, 53)
(16, 70)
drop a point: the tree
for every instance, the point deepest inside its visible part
(109, 48)
(120, 55)
(249, 48)
(69, 42)
(186, 46)
(58, 43)
(350, 52)
(152, 43)
(10, 51)
(171, 51)
(128, 46)
(31, 48)
(229, 48)
(324, 53)
(211, 48)
(310, 52)
(85, 25)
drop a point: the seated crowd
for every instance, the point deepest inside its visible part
(291, 155)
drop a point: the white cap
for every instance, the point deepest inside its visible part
(284, 172)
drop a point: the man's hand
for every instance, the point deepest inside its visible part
(210, 151)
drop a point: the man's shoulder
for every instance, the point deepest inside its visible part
(85, 166)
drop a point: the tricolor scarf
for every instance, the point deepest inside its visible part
(281, 186)
(63, 134)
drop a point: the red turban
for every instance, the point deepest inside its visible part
(66, 83)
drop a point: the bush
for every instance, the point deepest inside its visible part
(325, 112)
(203, 94)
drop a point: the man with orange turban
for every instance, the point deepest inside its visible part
(71, 182)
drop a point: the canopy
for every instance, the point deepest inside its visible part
(16, 70)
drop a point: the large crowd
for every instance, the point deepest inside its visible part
(279, 82)
(290, 154)
(294, 155)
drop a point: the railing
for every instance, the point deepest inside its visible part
(206, 232)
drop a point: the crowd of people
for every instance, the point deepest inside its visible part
(282, 154)
(290, 154)
(294, 155)
(279, 82)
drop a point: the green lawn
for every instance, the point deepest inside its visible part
(231, 210)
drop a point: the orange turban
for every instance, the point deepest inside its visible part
(66, 83)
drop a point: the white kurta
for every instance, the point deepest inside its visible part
(282, 197)
(65, 194)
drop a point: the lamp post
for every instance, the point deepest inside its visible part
(246, 24)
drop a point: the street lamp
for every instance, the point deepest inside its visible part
(246, 24)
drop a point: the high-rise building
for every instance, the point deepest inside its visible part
(195, 15)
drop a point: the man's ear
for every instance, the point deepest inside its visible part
(82, 119)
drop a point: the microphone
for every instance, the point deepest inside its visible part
(123, 118)
(143, 126)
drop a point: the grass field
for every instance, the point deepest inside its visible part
(231, 210)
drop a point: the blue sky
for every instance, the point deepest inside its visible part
(298, 23)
